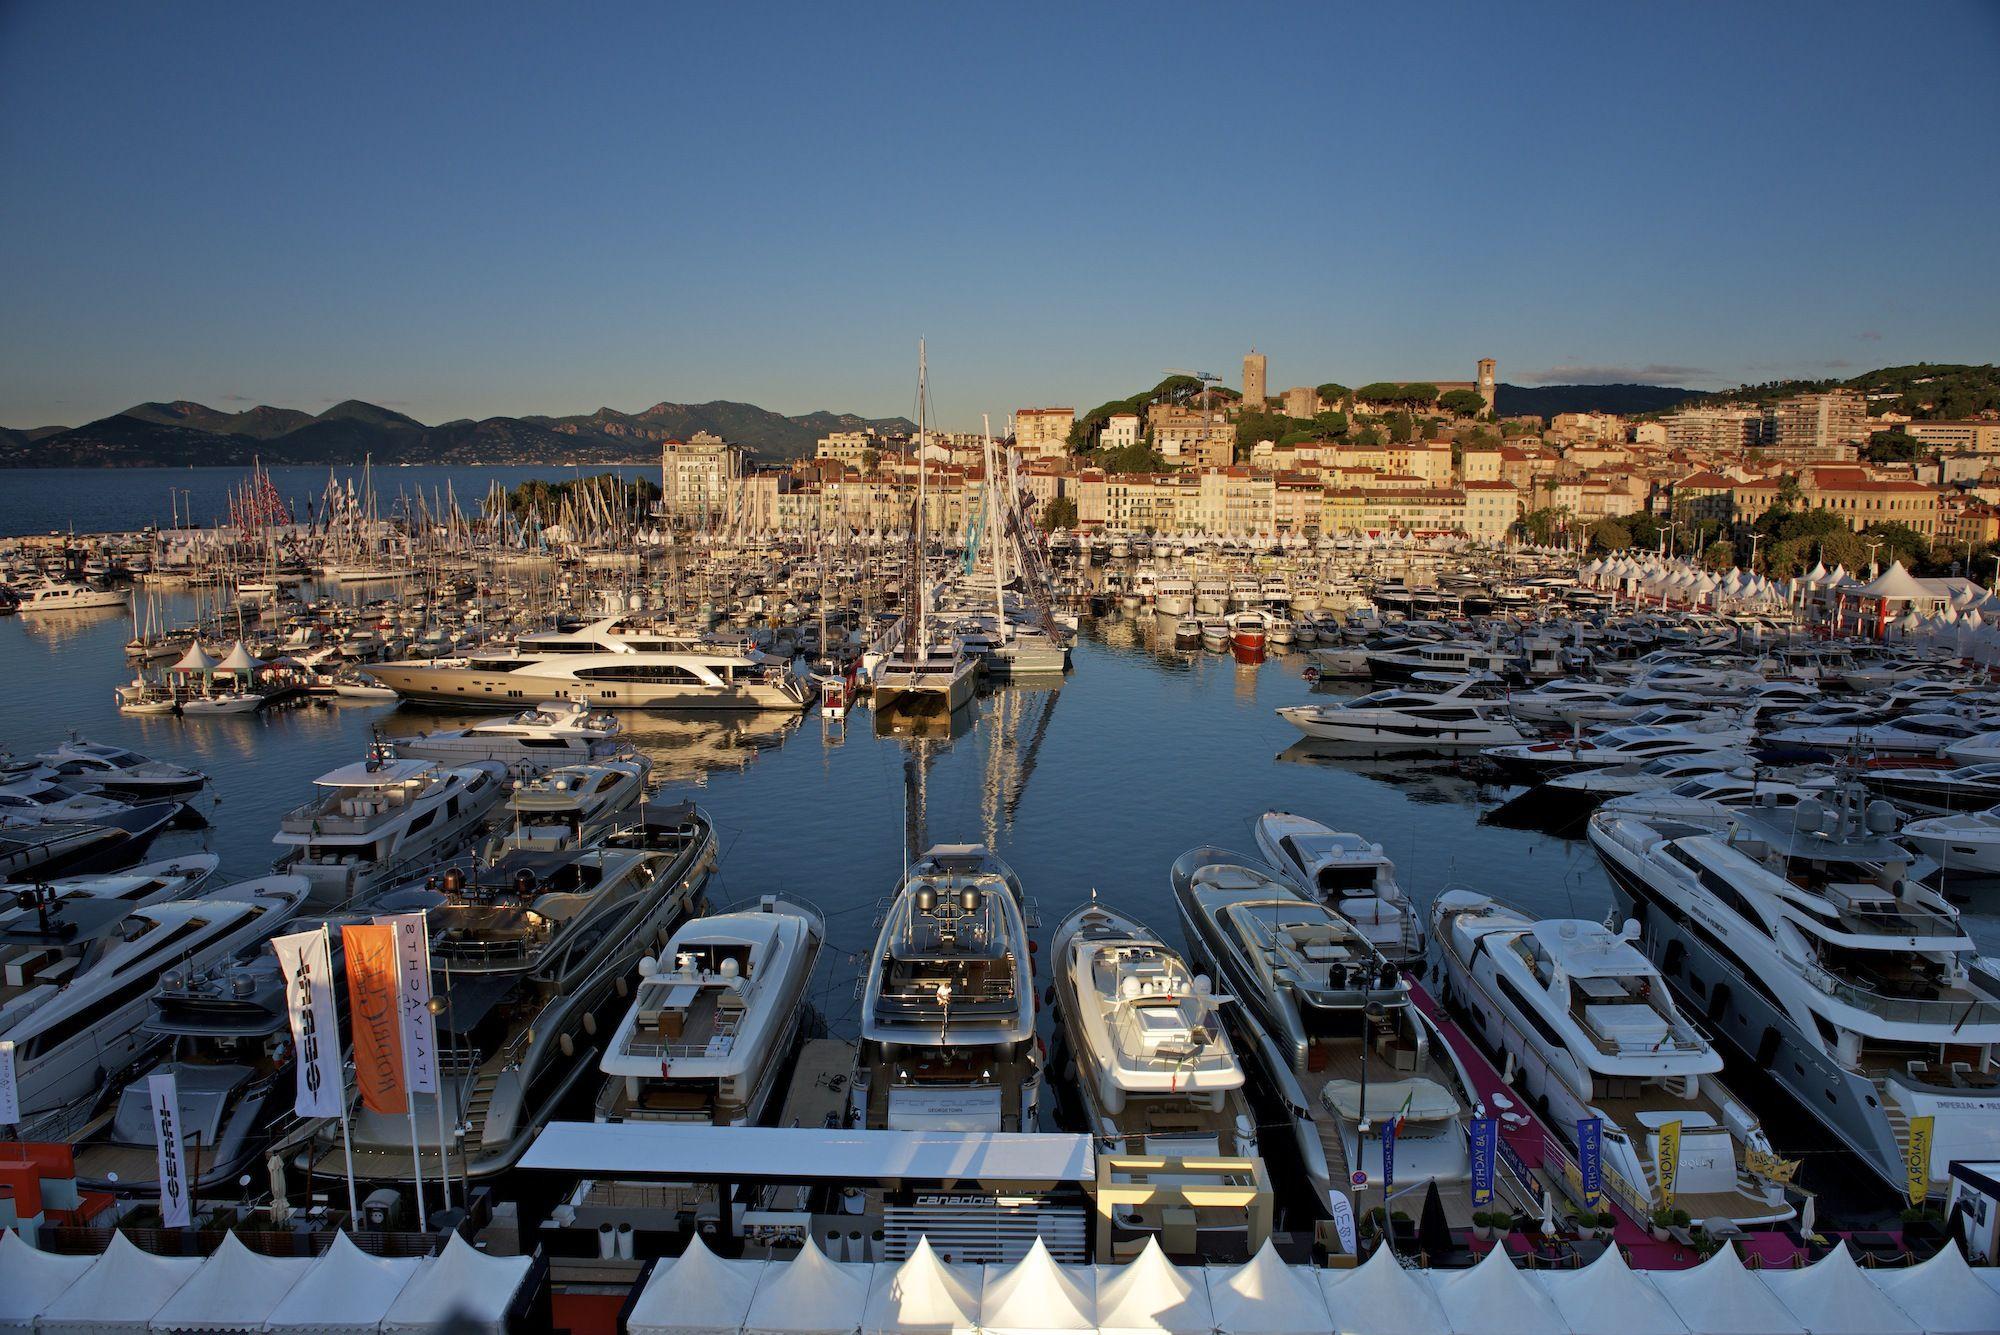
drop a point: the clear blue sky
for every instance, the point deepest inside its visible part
(509, 208)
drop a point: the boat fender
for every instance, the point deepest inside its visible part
(622, 988)
(1112, 1094)
(567, 1045)
(590, 1024)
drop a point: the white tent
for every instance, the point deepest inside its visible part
(1833, 1297)
(235, 1289)
(699, 1293)
(1493, 1298)
(463, 1290)
(240, 661)
(924, 1296)
(1149, 1294)
(1264, 1296)
(31, 1279)
(810, 1295)
(196, 659)
(1896, 584)
(347, 1292)
(1036, 1295)
(1720, 1297)
(1380, 1297)
(1942, 1295)
(119, 1294)
(1607, 1298)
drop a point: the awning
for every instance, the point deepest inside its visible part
(807, 1154)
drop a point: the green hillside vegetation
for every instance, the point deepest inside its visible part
(1926, 390)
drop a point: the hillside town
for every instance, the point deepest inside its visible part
(1417, 457)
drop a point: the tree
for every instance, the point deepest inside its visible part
(1608, 535)
(1058, 513)
(1719, 555)
(869, 459)
(1331, 393)
(1399, 428)
(1332, 422)
(1790, 493)
(1541, 526)
(1463, 402)
(1893, 447)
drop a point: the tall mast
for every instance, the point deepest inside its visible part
(917, 531)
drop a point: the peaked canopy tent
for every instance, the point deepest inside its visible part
(1494, 1298)
(696, 1293)
(196, 660)
(240, 661)
(120, 1293)
(1264, 1296)
(1150, 1294)
(1037, 1296)
(924, 1296)
(1833, 1297)
(1607, 1298)
(1720, 1297)
(347, 1292)
(810, 1295)
(31, 1279)
(236, 1289)
(464, 1290)
(1943, 1295)
(1380, 1297)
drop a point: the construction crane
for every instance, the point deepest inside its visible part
(1207, 378)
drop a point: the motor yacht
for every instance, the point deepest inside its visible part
(556, 732)
(86, 976)
(31, 848)
(93, 767)
(948, 1002)
(1907, 737)
(136, 887)
(1461, 716)
(1350, 874)
(1248, 630)
(531, 957)
(1934, 791)
(1537, 762)
(1965, 841)
(1712, 800)
(1799, 937)
(32, 798)
(1328, 1022)
(1403, 662)
(376, 821)
(714, 1018)
(619, 662)
(69, 596)
(1591, 1028)
(572, 806)
(1576, 794)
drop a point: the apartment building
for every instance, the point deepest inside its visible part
(1979, 437)
(1043, 433)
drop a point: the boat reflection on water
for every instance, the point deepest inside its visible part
(930, 725)
(683, 748)
(1430, 780)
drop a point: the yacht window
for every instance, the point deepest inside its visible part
(1530, 1012)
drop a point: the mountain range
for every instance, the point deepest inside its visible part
(183, 433)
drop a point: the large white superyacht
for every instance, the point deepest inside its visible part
(619, 662)
(381, 819)
(1799, 936)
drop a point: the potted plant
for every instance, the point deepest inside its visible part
(1486, 1224)
(1663, 1221)
(1607, 1224)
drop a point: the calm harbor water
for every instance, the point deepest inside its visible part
(109, 500)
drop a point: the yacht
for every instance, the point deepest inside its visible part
(32, 799)
(32, 848)
(1713, 799)
(1933, 791)
(1905, 737)
(715, 1018)
(1593, 1032)
(556, 732)
(136, 887)
(86, 977)
(1248, 630)
(1329, 1023)
(620, 662)
(94, 767)
(1402, 718)
(378, 820)
(226, 1030)
(1403, 662)
(69, 596)
(1574, 795)
(1566, 700)
(1173, 595)
(1351, 875)
(1800, 938)
(937, 677)
(529, 956)
(571, 807)
(1965, 841)
(1155, 1070)
(1536, 762)
(948, 1002)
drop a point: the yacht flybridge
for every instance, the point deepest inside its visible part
(1352, 875)
(1330, 1022)
(948, 1004)
(572, 806)
(1801, 938)
(1595, 1033)
(714, 1019)
(377, 820)
(620, 662)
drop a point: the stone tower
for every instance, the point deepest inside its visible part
(1486, 385)
(1253, 379)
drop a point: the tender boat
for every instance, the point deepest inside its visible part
(715, 1018)
(1351, 875)
(377, 820)
(556, 732)
(948, 1002)
(33, 799)
(1595, 1034)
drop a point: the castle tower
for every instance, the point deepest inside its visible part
(1253, 379)
(1486, 385)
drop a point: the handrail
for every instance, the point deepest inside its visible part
(1898, 1008)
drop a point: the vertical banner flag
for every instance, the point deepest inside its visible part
(10, 1093)
(175, 1207)
(1670, 1161)
(1388, 1156)
(1590, 1160)
(375, 1015)
(1919, 1164)
(1484, 1132)
(308, 967)
(413, 964)
(1343, 1220)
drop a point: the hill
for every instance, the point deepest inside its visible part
(1548, 400)
(1925, 390)
(184, 433)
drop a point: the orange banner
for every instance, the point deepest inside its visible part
(374, 1015)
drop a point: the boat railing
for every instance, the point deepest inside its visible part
(720, 1045)
(1555, 1150)
(1914, 1009)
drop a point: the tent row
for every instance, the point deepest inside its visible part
(700, 1293)
(343, 1291)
